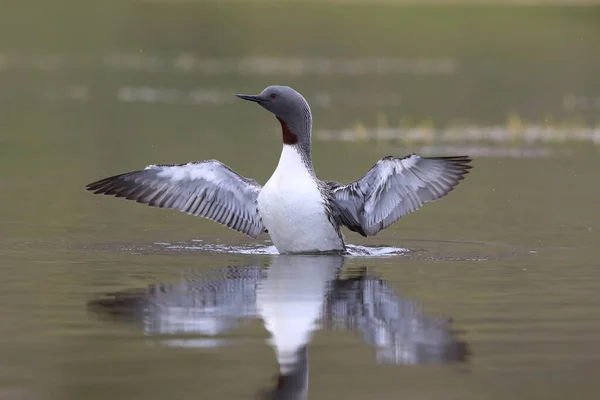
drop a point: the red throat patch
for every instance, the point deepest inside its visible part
(288, 136)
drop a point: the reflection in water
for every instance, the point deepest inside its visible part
(295, 296)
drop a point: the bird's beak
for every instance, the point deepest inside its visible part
(249, 97)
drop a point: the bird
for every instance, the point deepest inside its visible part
(300, 212)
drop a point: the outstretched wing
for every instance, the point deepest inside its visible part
(393, 188)
(209, 189)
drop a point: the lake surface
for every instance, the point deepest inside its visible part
(491, 293)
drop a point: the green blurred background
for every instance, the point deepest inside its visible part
(90, 89)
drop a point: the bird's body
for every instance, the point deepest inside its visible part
(294, 209)
(301, 213)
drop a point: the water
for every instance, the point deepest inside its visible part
(489, 293)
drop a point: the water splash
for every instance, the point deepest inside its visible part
(261, 249)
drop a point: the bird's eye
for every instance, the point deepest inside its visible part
(273, 95)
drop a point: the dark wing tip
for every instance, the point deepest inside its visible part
(114, 185)
(462, 160)
(103, 182)
(92, 186)
(459, 163)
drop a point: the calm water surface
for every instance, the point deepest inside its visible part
(495, 297)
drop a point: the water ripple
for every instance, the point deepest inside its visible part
(260, 249)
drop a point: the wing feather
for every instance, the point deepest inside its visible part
(393, 188)
(209, 189)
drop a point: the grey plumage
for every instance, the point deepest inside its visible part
(393, 188)
(209, 189)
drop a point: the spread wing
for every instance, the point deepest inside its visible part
(209, 189)
(393, 188)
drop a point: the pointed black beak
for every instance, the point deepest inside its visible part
(249, 97)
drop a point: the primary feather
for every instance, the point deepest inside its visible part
(393, 188)
(209, 189)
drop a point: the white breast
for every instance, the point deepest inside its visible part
(292, 209)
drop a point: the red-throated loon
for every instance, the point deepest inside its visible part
(300, 212)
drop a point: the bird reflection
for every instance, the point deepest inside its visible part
(294, 296)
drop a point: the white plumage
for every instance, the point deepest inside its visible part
(293, 211)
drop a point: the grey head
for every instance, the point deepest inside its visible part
(290, 108)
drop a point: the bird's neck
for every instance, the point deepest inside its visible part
(296, 135)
